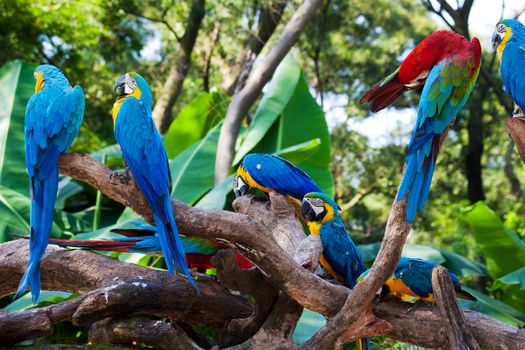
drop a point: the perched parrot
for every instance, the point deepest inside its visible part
(509, 42)
(446, 65)
(341, 258)
(412, 279)
(52, 121)
(146, 158)
(270, 173)
(139, 237)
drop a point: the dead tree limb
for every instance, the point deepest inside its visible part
(158, 334)
(458, 332)
(112, 289)
(245, 98)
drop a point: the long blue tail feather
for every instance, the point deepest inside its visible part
(43, 194)
(171, 245)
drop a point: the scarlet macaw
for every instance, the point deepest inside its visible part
(413, 279)
(341, 258)
(52, 121)
(509, 42)
(269, 173)
(146, 158)
(446, 64)
(139, 237)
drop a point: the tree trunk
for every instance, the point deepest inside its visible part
(473, 156)
(179, 68)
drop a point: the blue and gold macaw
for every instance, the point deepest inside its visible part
(146, 159)
(53, 118)
(509, 42)
(412, 280)
(341, 258)
(269, 173)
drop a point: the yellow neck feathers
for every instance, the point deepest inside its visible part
(247, 178)
(39, 82)
(501, 45)
(118, 103)
(315, 226)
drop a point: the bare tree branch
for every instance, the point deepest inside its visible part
(245, 98)
(516, 129)
(180, 66)
(458, 332)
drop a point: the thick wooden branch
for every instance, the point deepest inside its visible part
(516, 129)
(341, 329)
(390, 318)
(111, 288)
(154, 333)
(250, 237)
(243, 100)
(458, 332)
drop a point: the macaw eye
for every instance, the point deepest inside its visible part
(318, 202)
(501, 28)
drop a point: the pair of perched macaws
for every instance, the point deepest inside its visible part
(53, 118)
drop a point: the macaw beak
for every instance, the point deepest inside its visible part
(123, 85)
(497, 38)
(239, 187)
(307, 210)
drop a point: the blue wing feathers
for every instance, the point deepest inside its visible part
(512, 62)
(279, 175)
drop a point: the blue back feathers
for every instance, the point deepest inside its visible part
(279, 175)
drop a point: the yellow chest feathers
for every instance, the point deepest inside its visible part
(315, 226)
(118, 103)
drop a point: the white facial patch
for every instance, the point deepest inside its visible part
(258, 166)
(238, 184)
(317, 210)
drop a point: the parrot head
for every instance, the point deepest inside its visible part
(131, 85)
(318, 206)
(47, 73)
(504, 30)
(240, 188)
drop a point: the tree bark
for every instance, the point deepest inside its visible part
(180, 66)
(246, 97)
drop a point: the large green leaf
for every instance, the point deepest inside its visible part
(194, 121)
(192, 170)
(493, 308)
(514, 278)
(16, 87)
(282, 121)
(504, 252)
(277, 95)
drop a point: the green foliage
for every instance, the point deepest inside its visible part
(288, 115)
(194, 121)
(16, 87)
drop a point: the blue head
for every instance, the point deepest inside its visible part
(318, 207)
(506, 29)
(132, 84)
(47, 74)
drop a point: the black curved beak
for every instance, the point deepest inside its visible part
(120, 85)
(496, 40)
(307, 210)
(239, 187)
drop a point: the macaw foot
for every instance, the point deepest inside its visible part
(120, 177)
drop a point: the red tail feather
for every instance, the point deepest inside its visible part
(133, 232)
(382, 94)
